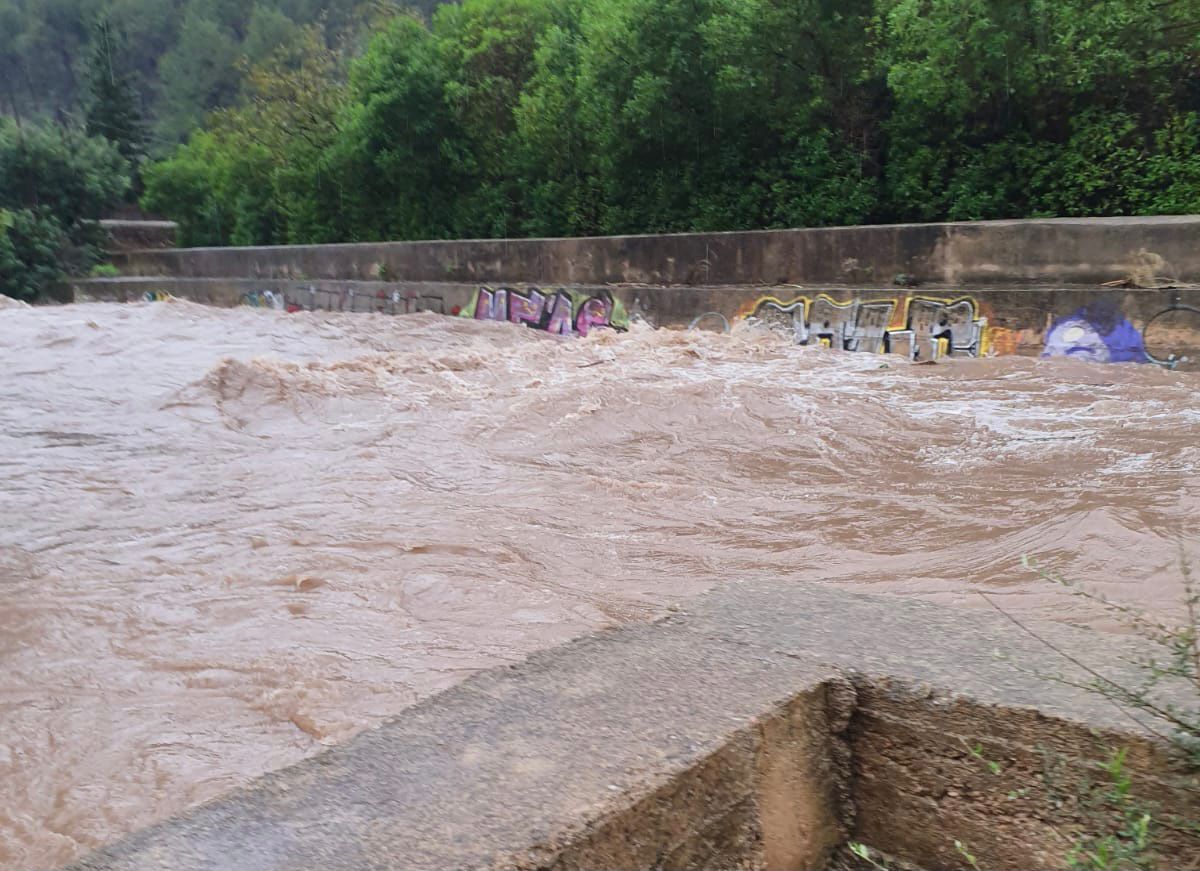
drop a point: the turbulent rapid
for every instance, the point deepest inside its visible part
(231, 538)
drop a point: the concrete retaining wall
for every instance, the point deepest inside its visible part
(760, 728)
(918, 290)
(139, 235)
(982, 254)
(1115, 325)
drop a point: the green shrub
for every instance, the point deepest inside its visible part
(55, 184)
(30, 243)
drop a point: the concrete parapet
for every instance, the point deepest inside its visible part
(1062, 251)
(1102, 289)
(759, 728)
(139, 235)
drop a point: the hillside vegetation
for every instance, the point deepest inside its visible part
(568, 117)
(183, 58)
(284, 122)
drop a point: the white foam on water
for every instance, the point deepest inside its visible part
(232, 538)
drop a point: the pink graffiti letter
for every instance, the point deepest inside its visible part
(593, 313)
(491, 306)
(526, 310)
(560, 318)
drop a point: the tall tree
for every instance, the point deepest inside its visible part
(399, 131)
(113, 111)
(256, 175)
(487, 49)
(198, 74)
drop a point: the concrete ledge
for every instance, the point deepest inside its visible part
(133, 235)
(1066, 251)
(757, 729)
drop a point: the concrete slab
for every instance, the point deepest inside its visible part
(507, 770)
(755, 729)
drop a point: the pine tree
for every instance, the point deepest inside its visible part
(113, 111)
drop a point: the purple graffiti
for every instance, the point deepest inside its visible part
(593, 313)
(562, 313)
(1097, 332)
(559, 323)
(522, 309)
(491, 306)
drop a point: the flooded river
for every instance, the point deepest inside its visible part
(230, 538)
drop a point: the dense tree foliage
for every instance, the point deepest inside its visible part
(1041, 106)
(543, 117)
(54, 185)
(352, 120)
(180, 58)
(90, 88)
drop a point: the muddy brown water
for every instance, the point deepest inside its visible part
(231, 538)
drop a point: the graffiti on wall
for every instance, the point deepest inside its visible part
(264, 299)
(393, 302)
(1170, 333)
(916, 327)
(1097, 332)
(1100, 333)
(560, 312)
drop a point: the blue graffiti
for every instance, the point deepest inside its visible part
(1097, 332)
